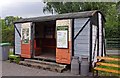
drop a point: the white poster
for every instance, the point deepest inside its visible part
(62, 38)
(25, 33)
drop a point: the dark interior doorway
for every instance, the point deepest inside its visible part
(45, 40)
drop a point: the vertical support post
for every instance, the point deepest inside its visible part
(14, 40)
(104, 43)
(97, 36)
(72, 37)
(102, 39)
(97, 40)
(90, 49)
(32, 39)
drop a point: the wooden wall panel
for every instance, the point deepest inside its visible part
(81, 43)
(17, 39)
(25, 50)
(63, 55)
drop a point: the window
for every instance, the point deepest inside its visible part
(49, 32)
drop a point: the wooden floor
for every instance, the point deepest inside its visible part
(47, 56)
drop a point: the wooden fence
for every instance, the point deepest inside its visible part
(113, 43)
(108, 64)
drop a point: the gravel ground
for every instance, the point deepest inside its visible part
(12, 69)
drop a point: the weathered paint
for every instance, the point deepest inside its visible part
(26, 47)
(103, 42)
(63, 55)
(94, 43)
(81, 43)
(94, 36)
(100, 33)
(17, 39)
(25, 50)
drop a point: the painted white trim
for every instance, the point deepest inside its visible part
(100, 33)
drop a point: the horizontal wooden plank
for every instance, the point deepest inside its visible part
(107, 70)
(113, 38)
(106, 64)
(108, 58)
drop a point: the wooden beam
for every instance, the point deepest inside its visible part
(106, 64)
(108, 58)
(107, 70)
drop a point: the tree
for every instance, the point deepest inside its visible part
(118, 11)
(10, 19)
(111, 24)
(107, 8)
(8, 28)
(66, 7)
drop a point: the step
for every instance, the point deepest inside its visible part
(45, 62)
(44, 65)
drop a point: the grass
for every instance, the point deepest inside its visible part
(10, 53)
(13, 57)
(101, 73)
(115, 56)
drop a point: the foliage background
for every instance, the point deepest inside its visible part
(8, 29)
(109, 10)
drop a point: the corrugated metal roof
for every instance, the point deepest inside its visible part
(84, 14)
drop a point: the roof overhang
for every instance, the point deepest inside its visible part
(85, 14)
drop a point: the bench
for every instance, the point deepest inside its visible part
(101, 63)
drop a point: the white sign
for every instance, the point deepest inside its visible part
(25, 32)
(62, 38)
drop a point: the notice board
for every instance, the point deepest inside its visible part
(25, 33)
(62, 36)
